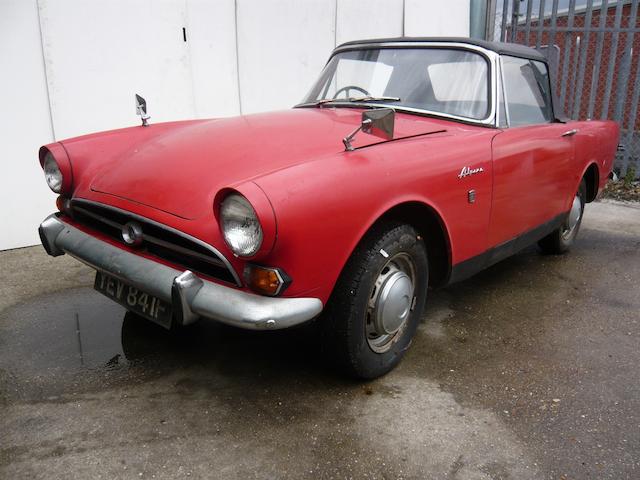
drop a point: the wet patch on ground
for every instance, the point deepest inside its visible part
(528, 370)
(90, 384)
(550, 344)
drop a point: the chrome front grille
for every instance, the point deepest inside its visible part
(158, 240)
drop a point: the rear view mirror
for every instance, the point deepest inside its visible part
(378, 122)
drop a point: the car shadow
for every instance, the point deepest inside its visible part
(81, 338)
(228, 350)
(291, 352)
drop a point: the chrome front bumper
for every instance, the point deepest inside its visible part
(189, 295)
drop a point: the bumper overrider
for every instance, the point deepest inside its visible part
(190, 296)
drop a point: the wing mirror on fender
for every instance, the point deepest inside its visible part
(141, 109)
(378, 122)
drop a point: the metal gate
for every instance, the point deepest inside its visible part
(594, 48)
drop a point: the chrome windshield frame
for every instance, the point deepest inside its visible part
(491, 120)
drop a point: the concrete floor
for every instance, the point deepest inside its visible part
(531, 369)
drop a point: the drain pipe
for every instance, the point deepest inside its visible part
(478, 18)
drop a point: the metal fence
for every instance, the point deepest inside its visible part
(594, 48)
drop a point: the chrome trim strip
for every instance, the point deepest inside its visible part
(223, 262)
(426, 43)
(185, 251)
(490, 55)
(193, 296)
(398, 108)
(504, 96)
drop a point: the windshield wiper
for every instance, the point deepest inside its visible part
(373, 99)
(324, 101)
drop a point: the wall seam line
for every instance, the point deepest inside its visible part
(335, 25)
(187, 26)
(46, 75)
(235, 3)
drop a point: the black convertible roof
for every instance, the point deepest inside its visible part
(513, 49)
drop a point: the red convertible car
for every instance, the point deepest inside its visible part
(411, 163)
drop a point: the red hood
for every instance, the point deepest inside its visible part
(179, 167)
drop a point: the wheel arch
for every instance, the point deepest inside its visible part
(591, 177)
(433, 231)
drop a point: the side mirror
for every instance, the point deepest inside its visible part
(378, 122)
(141, 109)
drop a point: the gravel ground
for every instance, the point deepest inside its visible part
(528, 370)
(622, 191)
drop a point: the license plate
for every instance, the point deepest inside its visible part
(134, 299)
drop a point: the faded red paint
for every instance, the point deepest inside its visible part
(317, 200)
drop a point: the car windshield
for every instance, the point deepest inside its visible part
(438, 80)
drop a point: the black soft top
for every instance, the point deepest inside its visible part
(513, 49)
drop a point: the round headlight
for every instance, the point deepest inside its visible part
(240, 226)
(52, 173)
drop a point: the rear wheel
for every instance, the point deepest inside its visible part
(560, 240)
(378, 301)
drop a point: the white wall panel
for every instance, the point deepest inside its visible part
(211, 38)
(80, 62)
(24, 125)
(357, 20)
(98, 54)
(282, 47)
(449, 18)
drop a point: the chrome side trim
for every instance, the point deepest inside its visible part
(189, 295)
(220, 261)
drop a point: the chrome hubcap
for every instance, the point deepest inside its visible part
(390, 303)
(574, 217)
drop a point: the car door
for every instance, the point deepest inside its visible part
(532, 155)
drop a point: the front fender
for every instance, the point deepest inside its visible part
(324, 208)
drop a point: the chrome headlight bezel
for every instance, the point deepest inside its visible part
(240, 225)
(52, 173)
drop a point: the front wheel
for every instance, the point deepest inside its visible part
(560, 240)
(378, 301)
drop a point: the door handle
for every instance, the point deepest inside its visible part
(570, 133)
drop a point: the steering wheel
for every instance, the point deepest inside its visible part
(348, 89)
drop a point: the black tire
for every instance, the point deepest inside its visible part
(348, 339)
(560, 240)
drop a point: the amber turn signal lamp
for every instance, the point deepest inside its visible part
(266, 280)
(63, 204)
